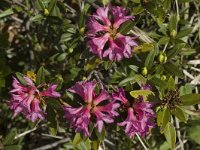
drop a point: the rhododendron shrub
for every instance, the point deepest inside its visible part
(99, 74)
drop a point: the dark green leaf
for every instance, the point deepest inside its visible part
(194, 134)
(164, 40)
(186, 89)
(163, 118)
(149, 60)
(137, 10)
(40, 77)
(190, 99)
(171, 83)
(52, 6)
(21, 79)
(101, 136)
(126, 81)
(173, 22)
(184, 32)
(170, 135)
(8, 140)
(77, 139)
(158, 82)
(179, 113)
(173, 69)
(134, 68)
(126, 27)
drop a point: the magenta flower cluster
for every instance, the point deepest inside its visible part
(97, 107)
(139, 115)
(102, 108)
(105, 40)
(26, 99)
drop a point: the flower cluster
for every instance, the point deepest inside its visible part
(139, 115)
(103, 33)
(97, 108)
(102, 108)
(26, 99)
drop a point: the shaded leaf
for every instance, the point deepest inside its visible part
(179, 113)
(190, 99)
(170, 135)
(40, 77)
(21, 79)
(163, 118)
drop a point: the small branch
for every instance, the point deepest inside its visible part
(52, 145)
(52, 136)
(25, 133)
(179, 134)
(142, 142)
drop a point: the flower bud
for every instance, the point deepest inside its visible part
(144, 71)
(173, 33)
(162, 58)
(46, 12)
(70, 50)
(163, 77)
(81, 31)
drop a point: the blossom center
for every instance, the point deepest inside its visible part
(113, 32)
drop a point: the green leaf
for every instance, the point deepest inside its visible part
(173, 69)
(77, 139)
(6, 13)
(150, 59)
(134, 68)
(52, 120)
(190, 112)
(84, 145)
(37, 18)
(95, 145)
(167, 4)
(179, 113)
(193, 133)
(8, 140)
(126, 81)
(184, 32)
(173, 22)
(171, 83)
(40, 77)
(164, 40)
(170, 135)
(137, 93)
(126, 27)
(21, 79)
(175, 51)
(186, 89)
(158, 82)
(101, 136)
(62, 56)
(52, 6)
(163, 118)
(190, 99)
(137, 10)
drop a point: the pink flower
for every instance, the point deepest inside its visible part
(26, 99)
(103, 31)
(96, 108)
(51, 91)
(139, 115)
